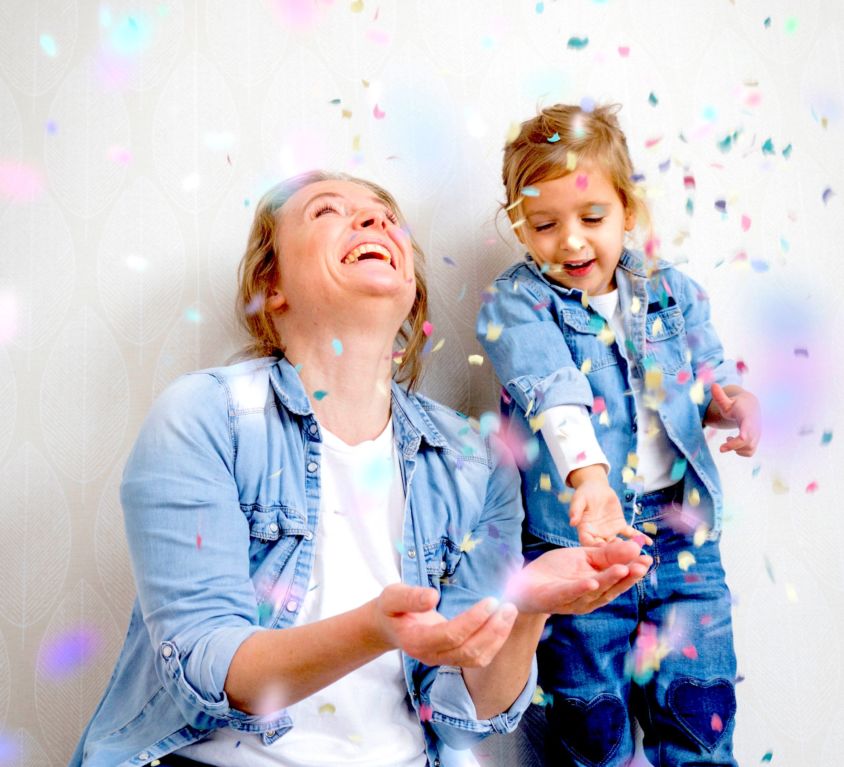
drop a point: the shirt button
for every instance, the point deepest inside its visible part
(308, 535)
(291, 606)
(273, 528)
(628, 496)
(270, 733)
(144, 756)
(411, 553)
(167, 651)
(312, 428)
(312, 467)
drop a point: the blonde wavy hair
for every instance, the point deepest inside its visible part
(545, 144)
(259, 273)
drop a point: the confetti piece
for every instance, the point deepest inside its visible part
(787, 152)
(650, 528)
(767, 22)
(582, 181)
(790, 25)
(696, 392)
(476, 359)
(545, 482)
(516, 224)
(48, 45)
(553, 139)
(68, 652)
(536, 422)
(827, 193)
(584, 299)
(571, 161)
(377, 113)
(193, 315)
(769, 569)
(684, 376)
(721, 206)
(812, 487)
(767, 757)
(701, 535)
(678, 469)
(657, 326)
(651, 142)
(652, 99)
(427, 328)
(337, 345)
(577, 43)
(468, 543)
(694, 497)
(198, 541)
(780, 488)
(826, 438)
(530, 191)
(327, 708)
(320, 394)
(690, 651)
(768, 146)
(685, 559)
(438, 345)
(623, 51)
(716, 723)
(493, 331)
(745, 223)
(791, 593)
(586, 367)
(599, 405)
(357, 6)
(538, 697)
(425, 712)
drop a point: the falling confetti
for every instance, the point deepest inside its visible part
(320, 394)
(623, 51)
(357, 6)
(826, 438)
(827, 193)
(652, 99)
(493, 331)
(425, 712)
(812, 487)
(577, 43)
(530, 191)
(48, 45)
(198, 541)
(582, 181)
(377, 113)
(68, 652)
(327, 708)
(745, 223)
(554, 139)
(768, 147)
(476, 359)
(767, 757)
(468, 543)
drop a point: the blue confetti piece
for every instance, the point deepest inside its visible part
(587, 104)
(652, 99)
(826, 438)
(769, 569)
(493, 531)
(756, 470)
(554, 139)
(637, 178)
(577, 43)
(540, 7)
(48, 45)
(784, 245)
(759, 266)
(768, 147)
(530, 191)
(449, 261)
(664, 166)
(320, 394)
(721, 206)
(827, 193)
(337, 345)
(690, 206)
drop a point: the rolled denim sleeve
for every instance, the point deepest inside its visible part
(527, 348)
(484, 570)
(708, 361)
(189, 546)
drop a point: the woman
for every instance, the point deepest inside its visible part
(316, 547)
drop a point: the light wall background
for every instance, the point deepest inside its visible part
(136, 136)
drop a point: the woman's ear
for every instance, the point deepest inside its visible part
(276, 300)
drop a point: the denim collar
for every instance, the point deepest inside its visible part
(410, 420)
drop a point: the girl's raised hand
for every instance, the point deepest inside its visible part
(741, 409)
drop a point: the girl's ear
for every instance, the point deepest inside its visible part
(630, 219)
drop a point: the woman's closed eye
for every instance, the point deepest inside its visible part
(327, 208)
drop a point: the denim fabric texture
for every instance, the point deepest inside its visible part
(221, 500)
(662, 652)
(549, 349)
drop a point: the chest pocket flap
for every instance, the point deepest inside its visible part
(442, 558)
(269, 523)
(664, 324)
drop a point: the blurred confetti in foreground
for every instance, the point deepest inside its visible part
(69, 652)
(19, 182)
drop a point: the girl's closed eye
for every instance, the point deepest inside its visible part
(543, 227)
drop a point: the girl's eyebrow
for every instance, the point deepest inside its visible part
(596, 206)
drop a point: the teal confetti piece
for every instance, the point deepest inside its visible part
(767, 23)
(337, 345)
(826, 438)
(577, 43)
(652, 99)
(298, 368)
(678, 470)
(48, 45)
(554, 139)
(756, 470)
(787, 152)
(690, 206)
(530, 191)
(770, 571)
(320, 394)
(193, 315)
(768, 147)
(768, 757)
(784, 245)
(726, 144)
(540, 7)
(334, 101)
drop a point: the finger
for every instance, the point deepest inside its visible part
(576, 509)
(724, 403)
(588, 537)
(637, 536)
(616, 552)
(451, 634)
(480, 648)
(400, 598)
(637, 572)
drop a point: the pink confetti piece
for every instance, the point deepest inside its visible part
(683, 376)
(19, 182)
(377, 113)
(378, 36)
(425, 712)
(624, 51)
(716, 723)
(582, 181)
(812, 487)
(599, 405)
(652, 142)
(198, 541)
(690, 652)
(745, 223)
(119, 155)
(581, 456)
(705, 620)
(427, 328)
(741, 366)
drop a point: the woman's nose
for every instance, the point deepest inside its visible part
(374, 217)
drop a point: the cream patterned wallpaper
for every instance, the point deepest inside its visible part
(136, 136)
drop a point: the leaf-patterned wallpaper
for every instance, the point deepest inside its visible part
(136, 136)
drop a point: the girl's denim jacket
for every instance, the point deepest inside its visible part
(550, 349)
(221, 501)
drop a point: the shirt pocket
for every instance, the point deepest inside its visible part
(665, 339)
(274, 533)
(589, 339)
(442, 558)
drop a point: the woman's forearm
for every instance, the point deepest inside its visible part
(276, 668)
(495, 687)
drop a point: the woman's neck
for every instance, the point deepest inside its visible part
(347, 378)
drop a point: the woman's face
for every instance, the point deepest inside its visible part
(339, 248)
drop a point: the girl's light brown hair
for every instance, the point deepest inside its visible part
(259, 273)
(547, 144)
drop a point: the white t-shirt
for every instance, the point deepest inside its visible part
(364, 718)
(571, 440)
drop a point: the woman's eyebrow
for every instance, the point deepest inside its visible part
(337, 196)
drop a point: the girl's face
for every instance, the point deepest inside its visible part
(576, 227)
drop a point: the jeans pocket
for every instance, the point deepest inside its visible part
(591, 731)
(704, 709)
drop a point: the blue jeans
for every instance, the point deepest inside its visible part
(662, 652)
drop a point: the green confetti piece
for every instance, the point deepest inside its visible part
(790, 25)
(578, 43)
(320, 394)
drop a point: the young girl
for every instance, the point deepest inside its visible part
(612, 369)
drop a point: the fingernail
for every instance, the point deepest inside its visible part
(507, 612)
(490, 605)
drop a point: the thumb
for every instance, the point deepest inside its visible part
(400, 598)
(576, 508)
(721, 398)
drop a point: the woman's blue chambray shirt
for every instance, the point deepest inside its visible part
(549, 349)
(221, 502)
